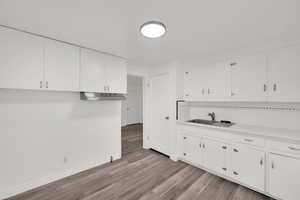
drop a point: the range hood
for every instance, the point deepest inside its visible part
(93, 96)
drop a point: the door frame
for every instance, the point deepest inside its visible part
(145, 72)
(144, 76)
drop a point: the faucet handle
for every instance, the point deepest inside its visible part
(212, 115)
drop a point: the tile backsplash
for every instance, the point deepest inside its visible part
(273, 115)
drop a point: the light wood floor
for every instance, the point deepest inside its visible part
(143, 175)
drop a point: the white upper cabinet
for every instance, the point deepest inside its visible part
(284, 177)
(21, 60)
(249, 78)
(207, 82)
(195, 83)
(93, 71)
(248, 166)
(214, 155)
(258, 78)
(116, 75)
(284, 70)
(32, 62)
(218, 82)
(61, 66)
(102, 73)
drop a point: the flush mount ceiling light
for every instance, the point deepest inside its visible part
(153, 29)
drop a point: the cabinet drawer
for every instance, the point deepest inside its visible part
(285, 147)
(255, 141)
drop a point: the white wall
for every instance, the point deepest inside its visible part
(132, 107)
(137, 69)
(49, 135)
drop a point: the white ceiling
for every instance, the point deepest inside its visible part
(194, 27)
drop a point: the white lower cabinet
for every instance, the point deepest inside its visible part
(253, 165)
(191, 149)
(284, 177)
(247, 165)
(214, 155)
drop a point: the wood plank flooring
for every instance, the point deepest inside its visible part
(142, 175)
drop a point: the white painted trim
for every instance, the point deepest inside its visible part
(174, 157)
(8, 192)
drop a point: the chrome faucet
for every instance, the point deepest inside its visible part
(212, 115)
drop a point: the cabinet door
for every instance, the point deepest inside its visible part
(61, 66)
(214, 156)
(21, 60)
(191, 149)
(284, 70)
(195, 84)
(116, 75)
(284, 177)
(218, 82)
(248, 166)
(249, 79)
(93, 73)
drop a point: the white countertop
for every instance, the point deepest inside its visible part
(265, 132)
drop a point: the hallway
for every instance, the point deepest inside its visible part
(132, 138)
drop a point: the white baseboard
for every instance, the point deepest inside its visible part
(174, 157)
(8, 192)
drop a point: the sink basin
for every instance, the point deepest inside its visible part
(202, 121)
(210, 122)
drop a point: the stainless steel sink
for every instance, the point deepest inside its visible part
(210, 122)
(202, 121)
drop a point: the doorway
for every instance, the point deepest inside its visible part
(132, 116)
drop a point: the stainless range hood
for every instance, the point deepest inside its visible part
(93, 96)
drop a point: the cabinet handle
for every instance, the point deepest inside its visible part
(208, 91)
(41, 84)
(294, 149)
(224, 168)
(233, 64)
(235, 150)
(186, 72)
(272, 165)
(232, 94)
(200, 145)
(224, 147)
(261, 161)
(203, 91)
(184, 138)
(248, 140)
(274, 87)
(184, 154)
(203, 145)
(46, 84)
(235, 173)
(265, 87)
